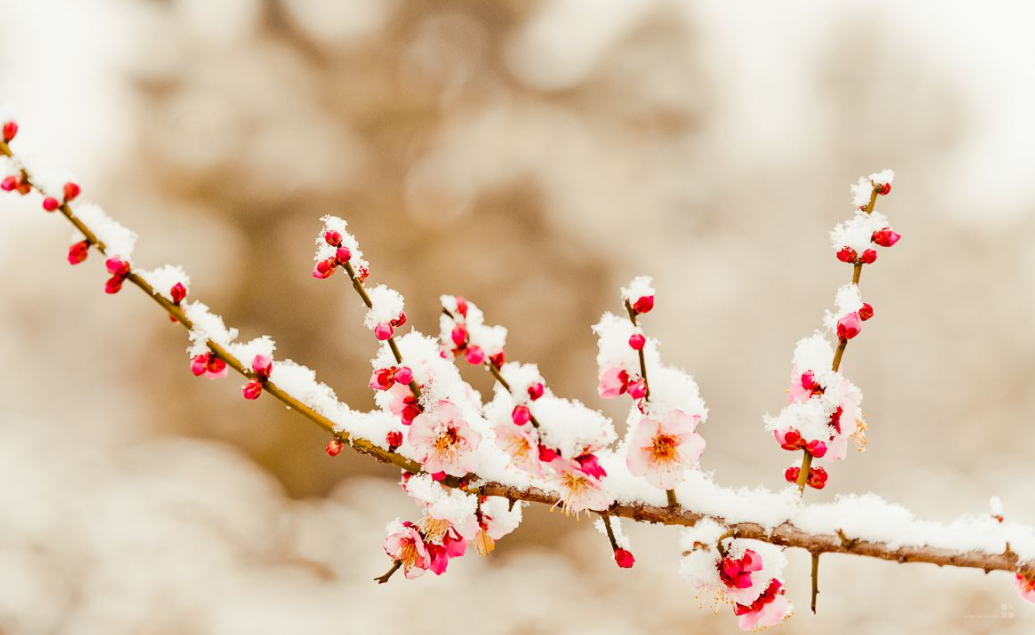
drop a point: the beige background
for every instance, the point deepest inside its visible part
(531, 156)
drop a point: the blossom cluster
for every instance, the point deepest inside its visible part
(824, 408)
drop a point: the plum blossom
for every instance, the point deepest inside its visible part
(614, 382)
(464, 333)
(578, 491)
(406, 546)
(443, 440)
(521, 445)
(1026, 587)
(209, 365)
(662, 450)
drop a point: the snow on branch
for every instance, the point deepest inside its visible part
(471, 464)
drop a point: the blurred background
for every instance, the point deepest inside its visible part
(532, 157)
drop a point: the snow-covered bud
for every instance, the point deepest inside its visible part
(332, 237)
(868, 257)
(209, 365)
(535, 391)
(324, 269)
(816, 448)
(886, 237)
(253, 389)
(849, 326)
(334, 447)
(78, 252)
(178, 293)
(637, 341)
(498, 359)
(638, 388)
(50, 204)
(71, 191)
(475, 355)
(383, 331)
(404, 375)
(10, 131)
(521, 415)
(624, 558)
(643, 305)
(866, 312)
(394, 440)
(847, 254)
(342, 255)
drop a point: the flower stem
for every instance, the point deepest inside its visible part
(388, 574)
(815, 580)
(803, 475)
(673, 502)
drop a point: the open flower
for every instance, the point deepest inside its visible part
(660, 450)
(521, 444)
(403, 403)
(579, 491)
(1026, 587)
(614, 382)
(444, 441)
(407, 546)
(769, 609)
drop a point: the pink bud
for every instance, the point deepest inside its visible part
(791, 474)
(198, 364)
(50, 204)
(9, 183)
(113, 285)
(849, 326)
(332, 237)
(644, 304)
(866, 312)
(263, 366)
(394, 440)
(334, 447)
(847, 254)
(868, 257)
(438, 476)
(637, 341)
(475, 355)
(399, 321)
(546, 455)
(383, 331)
(10, 131)
(535, 391)
(343, 255)
(498, 359)
(886, 237)
(521, 415)
(816, 448)
(252, 389)
(178, 293)
(624, 558)
(461, 306)
(590, 466)
(404, 375)
(71, 191)
(638, 389)
(459, 335)
(78, 252)
(117, 266)
(883, 188)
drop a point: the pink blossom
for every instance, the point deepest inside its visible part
(385, 378)
(803, 386)
(209, 365)
(342, 255)
(1026, 587)
(866, 312)
(407, 546)
(614, 382)
(475, 355)
(535, 391)
(578, 491)
(638, 388)
(521, 415)
(78, 252)
(444, 441)
(637, 341)
(332, 237)
(735, 573)
(661, 450)
(886, 237)
(383, 331)
(590, 465)
(252, 390)
(403, 403)
(324, 269)
(769, 609)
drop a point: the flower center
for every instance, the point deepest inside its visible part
(664, 447)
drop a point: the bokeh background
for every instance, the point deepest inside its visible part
(532, 156)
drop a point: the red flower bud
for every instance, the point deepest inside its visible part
(404, 375)
(883, 188)
(459, 335)
(644, 304)
(886, 237)
(791, 474)
(178, 293)
(394, 440)
(498, 359)
(343, 255)
(868, 257)
(475, 355)
(399, 321)
(638, 388)
(383, 331)
(866, 312)
(847, 254)
(78, 252)
(817, 478)
(547, 455)
(461, 306)
(637, 341)
(848, 326)
(71, 191)
(535, 391)
(113, 285)
(817, 449)
(253, 389)
(521, 415)
(624, 558)
(332, 237)
(10, 131)
(9, 183)
(50, 204)
(334, 447)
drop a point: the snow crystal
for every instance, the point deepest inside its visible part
(246, 351)
(673, 389)
(206, 326)
(47, 179)
(811, 418)
(857, 232)
(388, 305)
(613, 333)
(164, 278)
(118, 241)
(848, 300)
(325, 251)
(570, 427)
